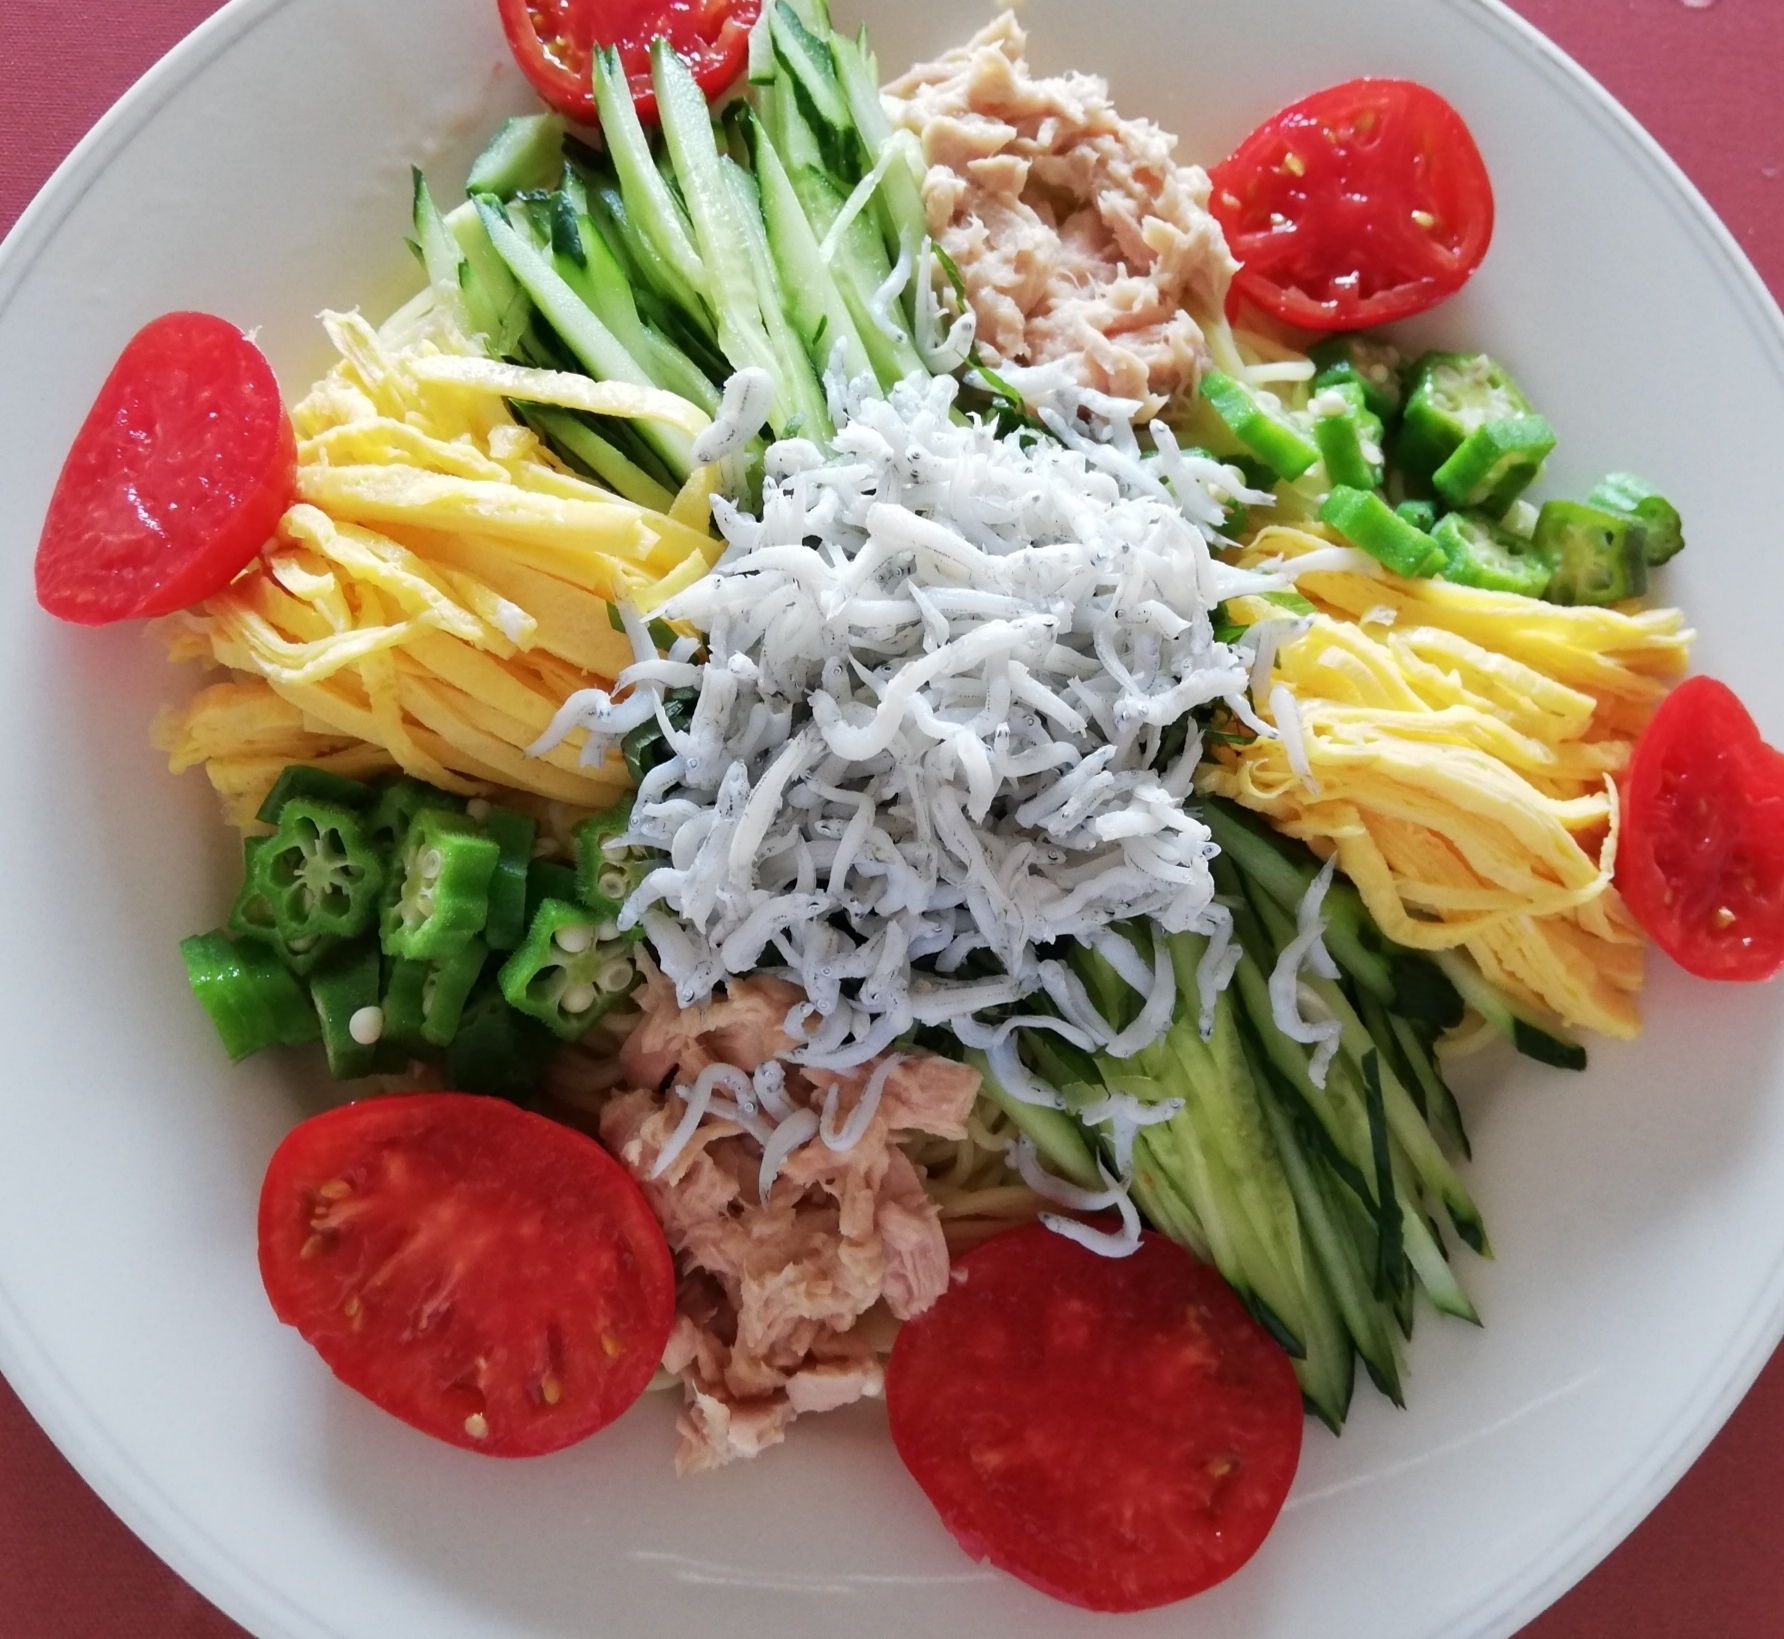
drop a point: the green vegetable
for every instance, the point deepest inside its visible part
(1420, 514)
(439, 898)
(251, 917)
(1657, 520)
(387, 823)
(1598, 555)
(1370, 364)
(424, 1001)
(547, 879)
(1477, 552)
(1452, 395)
(1262, 427)
(1371, 525)
(319, 874)
(1349, 437)
(512, 833)
(251, 998)
(342, 988)
(1495, 464)
(525, 152)
(573, 968)
(497, 1051)
(300, 780)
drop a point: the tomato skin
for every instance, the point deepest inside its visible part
(553, 42)
(177, 478)
(492, 1278)
(1334, 244)
(1700, 855)
(1119, 1434)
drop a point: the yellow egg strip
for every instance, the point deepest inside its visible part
(1461, 745)
(442, 585)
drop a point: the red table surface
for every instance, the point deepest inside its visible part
(1707, 78)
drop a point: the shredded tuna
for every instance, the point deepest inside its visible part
(773, 1286)
(1078, 235)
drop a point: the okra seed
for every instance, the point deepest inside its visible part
(616, 975)
(302, 943)
(431, 863)
(574, 939)
(612, 884)
(367, 1026)
(424, 902)
(580, 998)
(607, 932)
(478, 809)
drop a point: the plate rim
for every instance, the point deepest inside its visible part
(196, 1555)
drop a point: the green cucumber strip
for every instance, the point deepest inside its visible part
(807, 60)
(799, 385)
(900, 197)
(594, 345)
(586, 263)
(722, 235)
(497, 306)
(1529, 1034)
(588, 449)
(1059, 1139)
(819, 314)
(526, 152)
(647, 195)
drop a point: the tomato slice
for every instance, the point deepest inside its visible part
(554, 43)
(1700, 856)
(1117, 1433)
(1364, 203)
(490, 1277)
(177, 478)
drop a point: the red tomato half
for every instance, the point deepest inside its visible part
(554, 43)
(1700, 857)
(178, 476)
(490, 1277)
(1117, 1433)
(1361, 204)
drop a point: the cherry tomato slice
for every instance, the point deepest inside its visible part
(490, 1277)
(1364, 203)
(1700, 857)
(178, 476)
(554, 42)
(1117, 1433)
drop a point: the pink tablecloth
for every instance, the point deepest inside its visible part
(1707, 78)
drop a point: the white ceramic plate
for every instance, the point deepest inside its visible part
(262, 172)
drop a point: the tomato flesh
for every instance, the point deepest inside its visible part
(1120, 1434)
(490, 1277)
(1700, 856)
(177, 478)
(1364, 203)
(554, 42)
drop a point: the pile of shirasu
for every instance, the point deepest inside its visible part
(940, 669)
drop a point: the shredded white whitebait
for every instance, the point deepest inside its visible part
(1117, 1244)
(1288, 995)
(931, 726)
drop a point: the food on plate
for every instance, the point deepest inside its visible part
(785, 1244)
(494, 1279)
(1701, 860)
(441, 583)
(176, 478)
(555, 41)
(1364, 203)
(1119, 1436)
(1457, 749)
(816, 654)
(1079, 236)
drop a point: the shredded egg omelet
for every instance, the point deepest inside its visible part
(442, 585)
